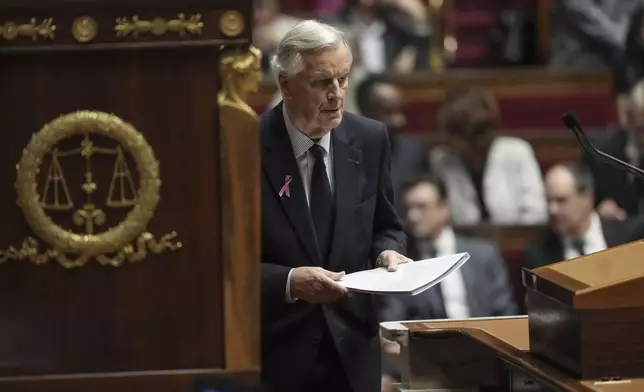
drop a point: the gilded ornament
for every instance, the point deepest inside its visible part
(84, 29)
(73, 249)
(11, 30)
(145, 243)
(159, 26)
(241, 74)
(231, 23)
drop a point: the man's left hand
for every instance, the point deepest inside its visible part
(391, 259)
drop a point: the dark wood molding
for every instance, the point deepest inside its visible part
(240, 225)
(105, 18)
(157, 381)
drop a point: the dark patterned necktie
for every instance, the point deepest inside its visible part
(578, 245)
(437, 290)
(321, 202)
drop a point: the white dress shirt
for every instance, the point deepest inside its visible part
(453, 286)
(594, 240)
(305, 162)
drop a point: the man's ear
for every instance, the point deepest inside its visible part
(284, 86)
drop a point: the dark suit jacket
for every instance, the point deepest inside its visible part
(409, 155)
(611, 182)
(489, 292)
(365, 225)
(548, 249)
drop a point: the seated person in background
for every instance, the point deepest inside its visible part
(575, 228)
(478, 289)
(619, 194)
(489, 177)
(391, 35)
(380, 100)
(629, 67)
(588, 35)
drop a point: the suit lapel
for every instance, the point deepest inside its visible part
(470, 276)
(612, 234)
(279, 163)
(554, 249)
(346, 173)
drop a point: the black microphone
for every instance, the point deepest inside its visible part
(571, 122)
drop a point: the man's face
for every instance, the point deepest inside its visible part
(568, 209)
(636, 127)
(387, 106)
(316, 95)
(426, 214)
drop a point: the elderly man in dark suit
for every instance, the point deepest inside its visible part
(327, 209)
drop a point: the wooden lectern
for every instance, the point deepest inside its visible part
(584, 332)
(587, 314)
(129, 191)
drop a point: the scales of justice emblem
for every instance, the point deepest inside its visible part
(128, 240)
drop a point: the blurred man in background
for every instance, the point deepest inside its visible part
(619, 194)
(575, 228)
(478, 289)
(380, 100)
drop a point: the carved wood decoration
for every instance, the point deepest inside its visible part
(241, 75)
(192, 313)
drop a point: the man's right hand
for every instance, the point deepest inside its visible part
(608, 209)
(317, 285)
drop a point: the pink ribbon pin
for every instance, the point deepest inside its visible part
(286, 187)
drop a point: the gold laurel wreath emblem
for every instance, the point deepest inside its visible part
(86, 246)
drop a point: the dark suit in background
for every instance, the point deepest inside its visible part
(611, 182)
(409, 155)
(549, 249)
(589, 35)
(488, 289)
(298, 336)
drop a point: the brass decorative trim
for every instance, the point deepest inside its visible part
(84, 29)
(145, 243)
(159, 26)
(241, 74)
(12, 30)
(231, 23)
(115, 241)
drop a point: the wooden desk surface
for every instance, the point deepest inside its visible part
(513, 331)
(509, 337)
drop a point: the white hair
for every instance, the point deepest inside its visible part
(305, 37)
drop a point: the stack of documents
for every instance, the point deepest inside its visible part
(410, 278)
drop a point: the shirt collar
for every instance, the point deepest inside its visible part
(446, 242)
(299, 141)
(593, 235)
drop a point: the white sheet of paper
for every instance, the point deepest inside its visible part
(410, 278)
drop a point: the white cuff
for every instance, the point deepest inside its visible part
(288, 288)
